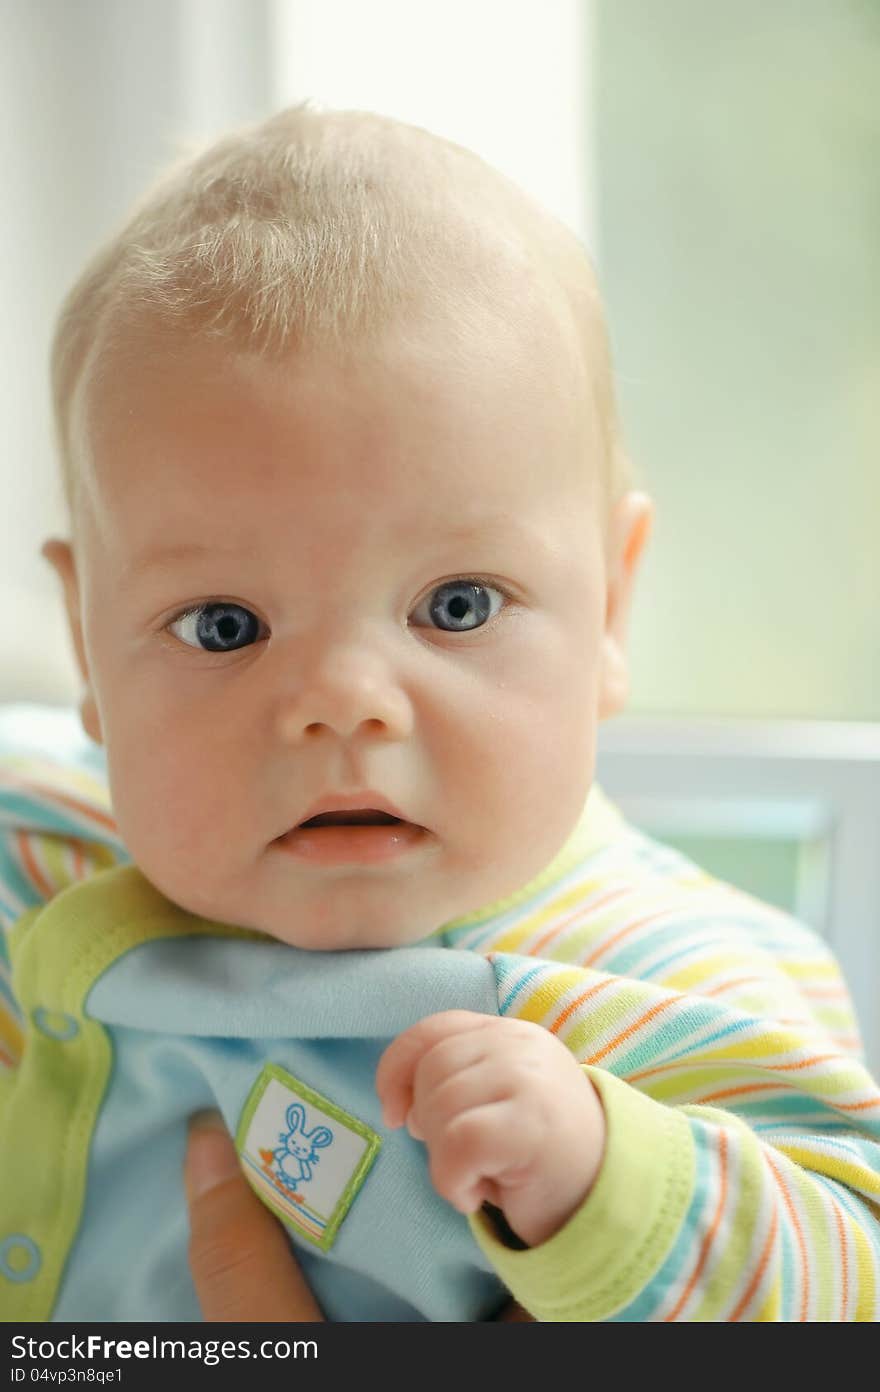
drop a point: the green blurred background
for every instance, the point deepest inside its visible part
(737, 150)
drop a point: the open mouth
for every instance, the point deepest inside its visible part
(362, 836)
(365, 817)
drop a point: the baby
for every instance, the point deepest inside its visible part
(353, 545)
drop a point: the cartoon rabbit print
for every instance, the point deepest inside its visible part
(299, 1148)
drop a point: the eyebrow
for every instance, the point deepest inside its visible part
(180, 551)
(165, 555)
(503, 525)
(494, 524)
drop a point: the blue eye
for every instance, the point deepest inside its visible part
(217, 627)
(459, 606)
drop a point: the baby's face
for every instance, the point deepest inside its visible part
(381, 580)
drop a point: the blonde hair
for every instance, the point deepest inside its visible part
(324, 227)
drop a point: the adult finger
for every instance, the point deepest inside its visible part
(241, 1262)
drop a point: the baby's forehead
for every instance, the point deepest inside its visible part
(523, 341)
(432, 423)
(324, 228)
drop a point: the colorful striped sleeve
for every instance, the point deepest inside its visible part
(741, 1179)
(56, 827)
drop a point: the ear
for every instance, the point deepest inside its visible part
(628, 531)
(60, 556)
(296, 1117)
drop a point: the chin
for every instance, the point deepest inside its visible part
(330, 942)
(349, 936)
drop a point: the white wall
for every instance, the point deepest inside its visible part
(510, 79)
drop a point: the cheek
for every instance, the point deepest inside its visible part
(543, 748)
(181, 795)
(527, 738)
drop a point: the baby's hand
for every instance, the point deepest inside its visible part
(505, 1111)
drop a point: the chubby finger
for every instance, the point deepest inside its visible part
(241, 1263)
(398, 1064)
(478, 1151)
(456, 1076)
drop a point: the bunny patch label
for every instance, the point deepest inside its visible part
(305, 1157)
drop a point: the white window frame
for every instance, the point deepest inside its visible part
(817, 782)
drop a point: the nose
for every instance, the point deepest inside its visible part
(345, 690)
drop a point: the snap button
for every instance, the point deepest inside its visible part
(55, 1023)
(20, 1258)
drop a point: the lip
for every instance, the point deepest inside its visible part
(354, 802)
(352, 845)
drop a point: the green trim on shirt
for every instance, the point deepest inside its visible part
(619, 1237)
(598, 825)
(58, 953)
